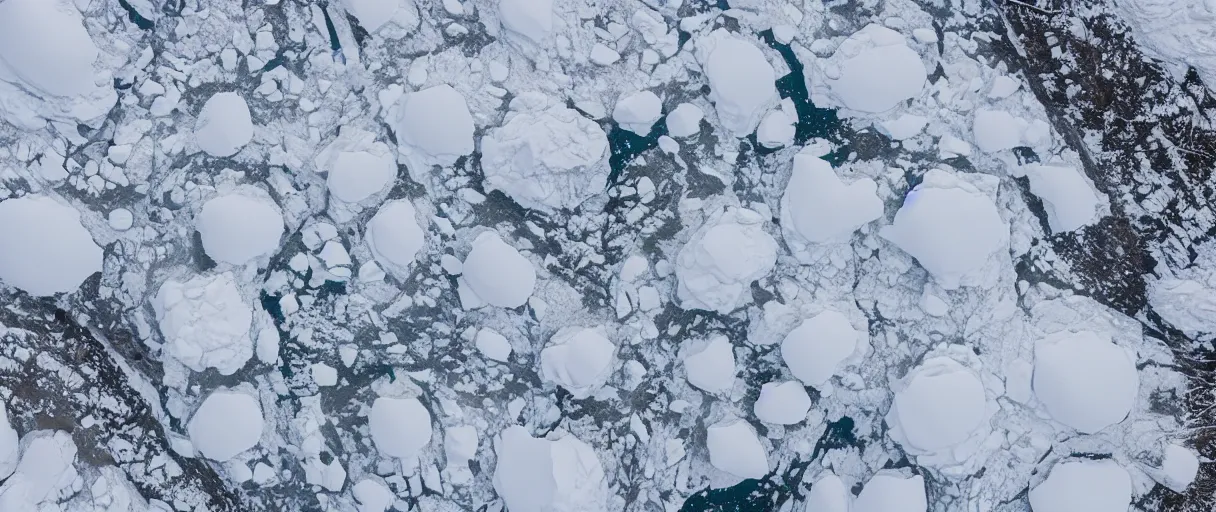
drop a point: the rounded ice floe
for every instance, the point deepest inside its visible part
(434, 126)
(684, 120)
(996, 130)
(950, 227)
(783, 403)
(1069, 200)
(1084, 380)
(828, 494)
(776, 129)
(546, 159)
(1179, 466)
(1089, 485)
(376, 14)
(548, 475)
(877, 71)
(8, 444)
(120, 219)
(394, 235)
(578, 359)
(224, 125)
(238, 228)
(742, 83)
(532, 19)
(373, 496)
(226, 424)
(46, 250)
(400, 427)
(938, 406)
(717, 266)
(357, 166)
(710, 364)
(54, 54)
(205, 322)
(814, 350)
(822, 208)
(735, 448)
(493, 345)
(891, 492)
(637, 112)
(495, 274)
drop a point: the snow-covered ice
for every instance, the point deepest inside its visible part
(578, 359)
(205, 322)
(1089, 485)
(1069, 199)
(828, 494)
(684, 120)
(493, 345)
(1084, 380)
(1179, 466)
(376, 14)
(8, 444)
(716, 267)
(559, 473)
(822, 208)
(874, 70)
(710, 364)
(996, 130)
(815, 349)
(741, 80)
(734, 448)
(226, 424)
(45, 470)
(433, 127)
(889, 491)
(1181, 33)
(239, 227)
(638, 111)
(224, 125)
(940, 412)
(400, 427)
(45, 249)
(394, 236)
(783, 403)
(357, 166)
(495, 274)
(532, 19)
(1187, 304)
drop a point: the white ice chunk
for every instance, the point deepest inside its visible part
(238, 228)
(1084, 380)
(814, 350)
(1181, 33)
(226, 424)
(939, 412)
(578, 359)
(828, 494)
(742, 83)
(904, 127)
(323, 374)
(493, 345)
(532, 19)
(716, 267)
(375, 14)
(497, 274)
(1089, 485)
(638, 112)
(891, 492)
(710, 364)
(460, 443)
(776, 129)
(205, 322)
(950, 227)
(44, 249)
(8, 444)
(400, 427)
(1179, 466)
(394, 235)
(1188, 305)
(373, 496)
(996, 130)
(735, 448)
(1002, 87)
(783, 403)
(821, 208)
(46, 470)
(548, 475)
(45, 43)
(224, 125)
(434, 127)
(358, 167)
(120, 219)
(1069, 200)
(603, 55)
(684, 120)
(881, 75)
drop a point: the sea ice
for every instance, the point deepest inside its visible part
(394, 236)
(877, 71)
(237, 228)
(433, 127)
(532, 19)
(1069, 200)
(8, 444)
(561, 474)
(741, 80)
(710, 364)
(735, 449)
(357, 166)
(400, 427)
(1089, 485)
(820, 207)
(1179, 466)
(495, 274)
(939, 412)
(578, 359)
(1084, 380)
(205, 322)
(493, 345)
(716, 267)
(224, 125)
(889, 491)
(997, 130)
(637, 112)
(226, 424)
(828, 494)
(684, 120)
(782, 403)
(814, 349)
(46, 250)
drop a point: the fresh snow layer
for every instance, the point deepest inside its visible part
(938, 406)
(562, 474)
(822, 208)
(400, 427)
(814, 349)
(876, 70)
(828, 494)
(532, 19)
(238, 228)
(45, 470)
(357, 166)
(205, 322)
(8, 444)
(547, 158)
(638, 112)
(710, 364)
(1069, 200)
(735, 448)
(783, 403)
(44, 249)
(1181, 33)
(717, 266)
(394, 235)
(684, 120)
(224, 125)
(45, 43)
(742, 83)
(496, 274)
(950, 227)
(1084, 380)
(578, 359)
(891, 492)
(434, 127)
(226, 424)
(1179, 466)
(1088, 485)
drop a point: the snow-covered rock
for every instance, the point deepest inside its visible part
(1089, 485)
(394, 236)
(815, 349)
(44, 249)
(716, 267)
(874, 70)
(742, 83)
(1084, 380)
(545, 156)
(433, 127)
(828, 494)
(226, 424)
(1070, 201)
(239, 227)
(495, 274)
(710, 364)
(8, 444)
(548, 475)
(400, 427)
(889, 491)
(357, 166)
(820, 208)
(783, 403)
(493, 345)
(684, 120)
(224, 125)
(637, 112)
(1179, 466)
(940, 413)
(46, 469)
(578, 359)
(532, 19)
(735, 448)
(205, 322)
(951, 227)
